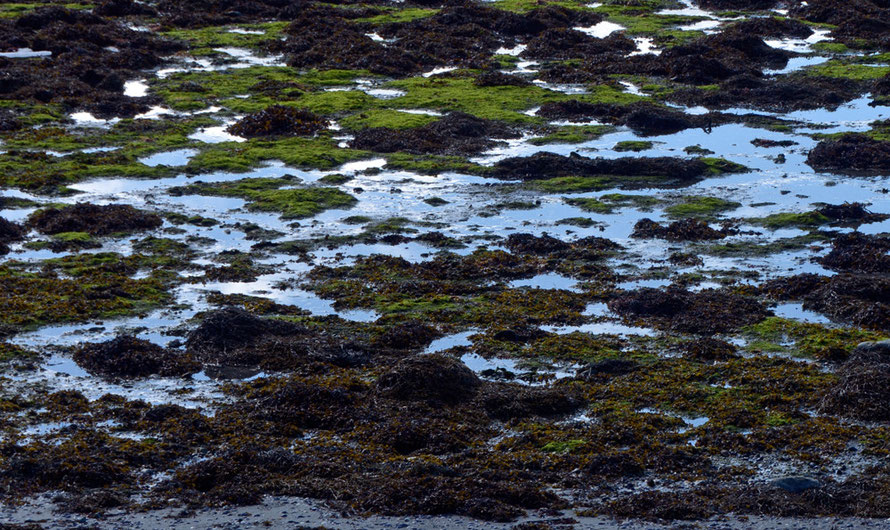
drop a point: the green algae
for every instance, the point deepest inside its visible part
(701, 207)
(457, 92)
(391, 119)
(268, 195)
(809, 340)
(633, 145)
(318, 153)
(572, 134)
(791, 220)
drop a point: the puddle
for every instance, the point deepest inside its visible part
(136, 89)
(25, 53)
(547, 281)
(601, 30)
(179, 157)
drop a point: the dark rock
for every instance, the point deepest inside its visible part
(796, 484)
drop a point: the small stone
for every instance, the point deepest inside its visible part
(796, 484)
(879, 347)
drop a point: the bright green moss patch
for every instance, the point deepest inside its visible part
(391, 119)
(573, 134)
(719, 166)
(633, 145)
(267, 195)
(393, 14)
(839, 69)
(810, 340)
(319, 153)
(701, 207)
(791, 220)
(431, 164)
(569, 184)
(457, 92)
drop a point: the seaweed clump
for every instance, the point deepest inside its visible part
(863, 389)
(9, 232)
(551, 165)
(706, 312)
(93, 219)
(851, 152)
(457, 133)
(129, 357)
(279, 120)
(858, 252)
(684, 230)
(433, 378)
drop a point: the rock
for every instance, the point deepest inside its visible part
(881, 347)
(796, 484)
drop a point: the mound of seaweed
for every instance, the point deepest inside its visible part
(863, 388)
(571, 44)
(708, 349)
(93, 219)
(279, 120)
(433, 378)
(860, 299)
(858, 252)
(851, 213)
(851, 152)
(550, 165)
(91, 57)
(495, 78)
(643, 118)
(129, 357)
(455, 134)
(9, 232)
(684, 230)
(706, 312)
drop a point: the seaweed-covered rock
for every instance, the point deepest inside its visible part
(851, 213)
(433, 378)
(129, 357)
(495, 78)
(10, 231)
(93, 219)
(571, 43)
(505, 401)
(708, 349)
(233, 327)
(863, 389)
(851, 152)
(607, 368)
(858, 252)
(412, 334)
(531, 244)
(684, 230)
(706, 312)
(550, 165)
(455, 134)
(279, 120)
(859, 299)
